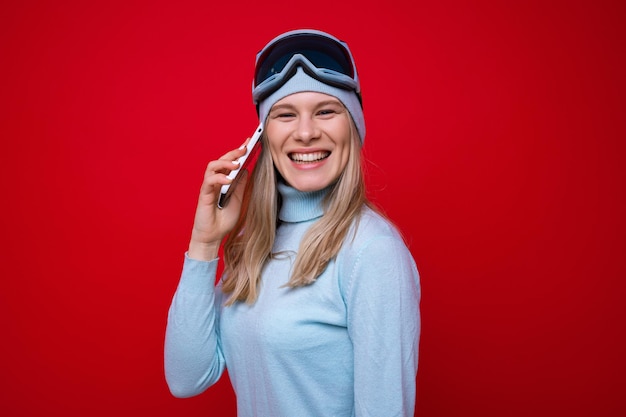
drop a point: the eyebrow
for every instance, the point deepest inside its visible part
(289, 106)
(329, 102)
(281, 107)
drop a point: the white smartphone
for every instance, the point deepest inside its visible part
(251, 153)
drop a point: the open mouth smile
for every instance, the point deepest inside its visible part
(307, 158)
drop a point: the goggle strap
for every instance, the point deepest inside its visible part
(333, 78)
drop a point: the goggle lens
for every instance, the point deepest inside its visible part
(322, 52)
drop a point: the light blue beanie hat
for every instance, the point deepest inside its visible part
(301, 82)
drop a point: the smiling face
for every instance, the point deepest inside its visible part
(309, 138)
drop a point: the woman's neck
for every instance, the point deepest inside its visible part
(299, 206)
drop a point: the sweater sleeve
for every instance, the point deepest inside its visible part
(193, 355)
(382, 297)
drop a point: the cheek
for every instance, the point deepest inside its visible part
(271, 145)
(274, 152)
(344, 160)
(345, 146)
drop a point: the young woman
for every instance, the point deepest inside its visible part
(317, 312)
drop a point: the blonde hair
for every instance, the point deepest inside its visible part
(249, 244)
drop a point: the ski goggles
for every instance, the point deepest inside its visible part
(319, 54)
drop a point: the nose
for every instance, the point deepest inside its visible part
(306, 130)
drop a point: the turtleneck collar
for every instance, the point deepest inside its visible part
(298, 206)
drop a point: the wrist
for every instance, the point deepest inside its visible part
(203, 251)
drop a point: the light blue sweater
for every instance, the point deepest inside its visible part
(346, 345)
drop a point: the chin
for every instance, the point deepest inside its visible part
(309, 186)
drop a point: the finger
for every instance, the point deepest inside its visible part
(245, 143)
(235, 153)
(221, 166)
(213, 182)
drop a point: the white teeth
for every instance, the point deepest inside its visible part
(308, 157)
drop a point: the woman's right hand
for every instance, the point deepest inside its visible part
(212, 224)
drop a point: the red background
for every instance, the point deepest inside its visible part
(495, 140)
